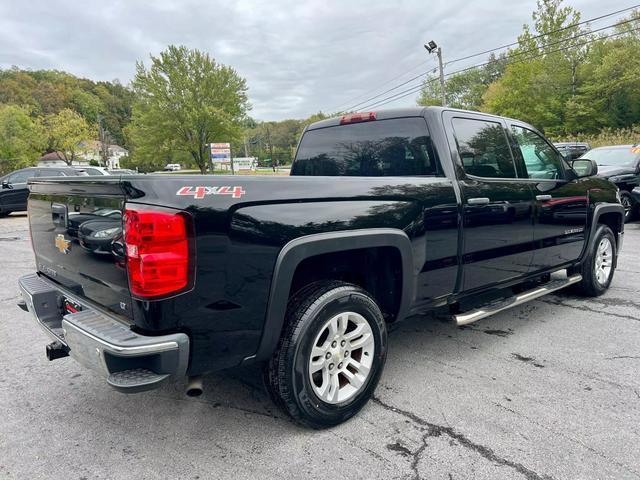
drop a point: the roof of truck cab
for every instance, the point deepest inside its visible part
(387, 114)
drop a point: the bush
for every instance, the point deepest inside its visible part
(608, 136)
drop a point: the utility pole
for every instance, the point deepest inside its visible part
(273, 160)
(443, 92)
(433, 47)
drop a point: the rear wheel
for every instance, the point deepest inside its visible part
(4, 213)
(629, 206)
(599, 265)
(330, 356)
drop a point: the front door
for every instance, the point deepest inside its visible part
(16, 191)
(560, 205)
(497, 202)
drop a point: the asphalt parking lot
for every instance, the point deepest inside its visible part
(550, 390)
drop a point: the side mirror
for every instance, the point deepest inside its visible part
(585, 167)
(6, 184)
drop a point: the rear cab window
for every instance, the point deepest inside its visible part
(392, 147)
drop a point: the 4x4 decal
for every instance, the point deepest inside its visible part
(201, 191)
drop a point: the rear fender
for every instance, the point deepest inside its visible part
(302, 248)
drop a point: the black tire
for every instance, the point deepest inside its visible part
(630, 207)
(287, 373)
(4, 213)
(590, 286)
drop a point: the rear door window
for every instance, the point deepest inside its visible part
(395, 147)
(484, 148)
(50, 173)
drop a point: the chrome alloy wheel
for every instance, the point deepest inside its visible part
(341, 357)
(604, 261)
(627, 203)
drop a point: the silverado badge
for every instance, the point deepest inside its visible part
(62, 244)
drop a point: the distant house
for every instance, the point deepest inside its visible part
(92, 151)
(89, 151)
(56, 159)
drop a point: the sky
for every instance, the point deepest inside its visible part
(298, 57)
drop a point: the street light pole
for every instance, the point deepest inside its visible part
(432, 47)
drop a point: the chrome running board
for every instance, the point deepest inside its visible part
(502, 304)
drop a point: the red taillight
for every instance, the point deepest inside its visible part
(358, 117)
(159, 251)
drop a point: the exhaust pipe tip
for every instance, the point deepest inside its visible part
(194, 386)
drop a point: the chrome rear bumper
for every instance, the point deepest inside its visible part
(131, 362)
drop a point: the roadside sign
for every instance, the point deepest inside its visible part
(220, 152)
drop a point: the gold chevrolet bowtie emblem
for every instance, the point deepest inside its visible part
(62, 244)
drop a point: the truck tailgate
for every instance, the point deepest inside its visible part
(76, 231)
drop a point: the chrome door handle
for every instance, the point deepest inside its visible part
(543, 198)
(478, 201)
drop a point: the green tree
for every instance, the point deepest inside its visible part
(609, 95)
(21, 138)
(47, 92)
(541, 79)
(65, 131)
(185, 101)
(464, 89)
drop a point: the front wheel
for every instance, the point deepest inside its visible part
(330, 356)
(598, 267)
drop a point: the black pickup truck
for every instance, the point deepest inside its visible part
(385, 214)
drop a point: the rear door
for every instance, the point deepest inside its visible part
(76, 229)
(560, 205)
(497, 201)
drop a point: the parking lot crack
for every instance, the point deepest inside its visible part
(585, 308)
(434, 430)
(568, 437)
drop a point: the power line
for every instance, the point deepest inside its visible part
(492, 50)
(417, 88)
(583, 34)
(594, 19)
(521, 53)
(381, 85)
(391, 89)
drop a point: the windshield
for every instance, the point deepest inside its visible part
(614, 156)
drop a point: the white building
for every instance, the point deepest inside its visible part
(89, 151)
(92, 150)
(54, 159)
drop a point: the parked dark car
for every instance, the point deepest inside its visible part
(572, 150)
(621, 165)
(14, 191)
(76, 219)
(385, 215)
